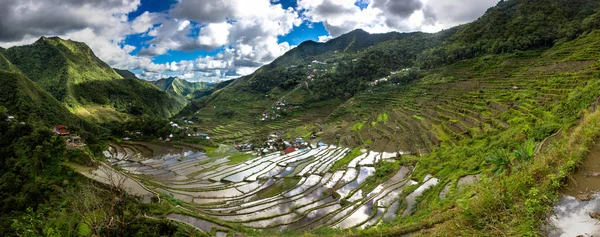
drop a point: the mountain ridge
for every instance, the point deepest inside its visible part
(326, 77)
(87, 86)
(181, 88)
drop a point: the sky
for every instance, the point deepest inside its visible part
(214, 40)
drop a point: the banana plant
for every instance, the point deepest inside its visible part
(524, 153)
(500, 161)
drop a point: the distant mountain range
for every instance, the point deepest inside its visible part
(181, 88)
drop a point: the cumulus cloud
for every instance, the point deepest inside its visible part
(378, 16)
(249, 37)
(451, 13)
(214, 35)
(245, 33)
(22, 18)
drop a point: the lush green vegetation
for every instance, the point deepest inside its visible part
(341, 163)
(39, 196)
(383, 172)
(239, 158)
(74, 76)
(475, 99)
(515, 25)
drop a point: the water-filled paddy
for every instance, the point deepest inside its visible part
(234, 192)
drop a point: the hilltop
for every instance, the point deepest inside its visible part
(87, 86)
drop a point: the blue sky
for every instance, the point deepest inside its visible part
(305, 31)
(213, 40)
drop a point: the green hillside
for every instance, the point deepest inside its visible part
(316, 79)
(30, 103)
(477, 130)
(466, 101)
(88, 87)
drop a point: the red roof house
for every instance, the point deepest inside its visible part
(61, 130)
(289, 150)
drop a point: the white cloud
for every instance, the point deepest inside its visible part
(342, 16)
(247, 30)
(250, 37)
(214, 35)
(325, 38)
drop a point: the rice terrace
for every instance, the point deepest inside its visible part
(300, 118)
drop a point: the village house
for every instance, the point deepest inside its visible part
(60, 130)
(10, 118)
(204, 136)
(288, 150)
(378, 81)
(76, 140)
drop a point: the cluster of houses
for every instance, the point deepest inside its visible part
(276, 111)
(187, 131)
(379, 81)
(71, 139)
(315, 69)
(168, 139)
(275, 143)
(190, 134)
(386, 79)
(11, 119)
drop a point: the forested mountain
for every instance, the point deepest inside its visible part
(74, 88)
(88, 87)
(321, 80)
(317, 72)
(515, 25)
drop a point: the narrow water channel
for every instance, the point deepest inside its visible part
(579, 201)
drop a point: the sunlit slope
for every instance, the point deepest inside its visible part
(72, 74)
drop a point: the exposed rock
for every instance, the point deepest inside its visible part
(595, 215)
(585, 197)
(592, 174)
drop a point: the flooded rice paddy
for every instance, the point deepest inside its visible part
(254, 193)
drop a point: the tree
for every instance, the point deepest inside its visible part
(103, 207)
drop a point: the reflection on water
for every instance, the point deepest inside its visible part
(571, 217)
(581, 197)
(234, 192)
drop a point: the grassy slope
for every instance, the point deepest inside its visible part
(27, 102)
(71, 72)
(238, 107)
(457, 115)
(515, 203)
(125, 73)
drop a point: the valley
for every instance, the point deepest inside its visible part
(489, 128)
